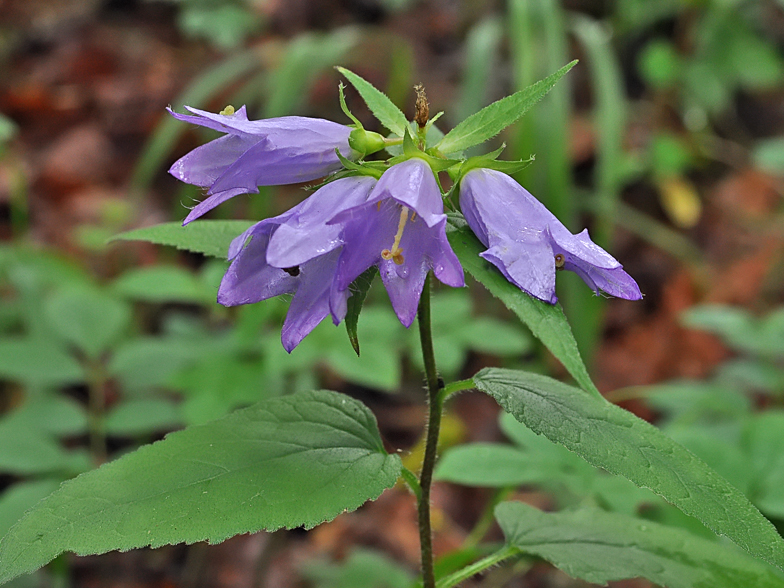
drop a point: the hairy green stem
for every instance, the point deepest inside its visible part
(431, 443)
(476, 567)
(410, 478)
(455, 387)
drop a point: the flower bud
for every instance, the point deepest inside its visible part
(365, 142)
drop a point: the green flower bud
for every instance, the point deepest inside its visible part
(365, 142)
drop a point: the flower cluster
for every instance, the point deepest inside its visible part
(392, 219)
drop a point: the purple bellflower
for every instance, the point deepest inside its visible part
(285, 150)
(401, 228)
(527, 243)
(296, 253)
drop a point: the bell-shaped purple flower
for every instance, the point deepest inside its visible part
(401, 228)
(527, 243)
(294, 253)
(253, 153)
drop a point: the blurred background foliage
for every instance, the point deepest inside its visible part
(666, 141)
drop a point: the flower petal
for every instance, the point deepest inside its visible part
(412, 184)
(306, 234)
(524, 238)
(311, 301)
(249, 278)
(205, 164)
(211, 202)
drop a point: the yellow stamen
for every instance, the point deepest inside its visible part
(395, 253)
(228, 111)
(559, 261)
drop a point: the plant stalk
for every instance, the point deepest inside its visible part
(431, 443)
(479, 566)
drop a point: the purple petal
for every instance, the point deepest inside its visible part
(371, 228)
(412, 184)
(249, 278)
(529, 266)
(306, 234)
(311, 301)
(523, 238)
(368, 230)
(205, 164)
(615, 282)
(211, 202)
(285, 150)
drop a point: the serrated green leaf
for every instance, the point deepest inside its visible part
(37, 360)
(492, 119)
(298, 460)
(162, 283)
(87, 318)
(359, 289)
(379, 104)
(546, 321)
(209, 237)
(609, 437)
(600, 547)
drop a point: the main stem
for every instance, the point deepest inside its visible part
(431, 443)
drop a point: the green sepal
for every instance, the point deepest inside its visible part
(490, 161)
(360, 168)
(344, 107)
(359, 289)
(410, 151)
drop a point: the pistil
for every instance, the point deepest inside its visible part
(395, 253)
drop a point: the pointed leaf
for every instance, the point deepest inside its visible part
(612, 438)
(211, 238)
(379, 104)
(546, 321)
(493, 119)
(293, 461)
(599, 547)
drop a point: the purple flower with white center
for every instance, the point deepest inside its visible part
(527, 243)
(401, 228)
(294, 253)
(253, 153)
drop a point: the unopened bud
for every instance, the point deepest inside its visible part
(365, 142)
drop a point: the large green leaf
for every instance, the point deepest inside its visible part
(609, 437)
(206, 236)
(600, 547)
(493, 119)
(546, 321)
(293, 461)
(379, 104)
